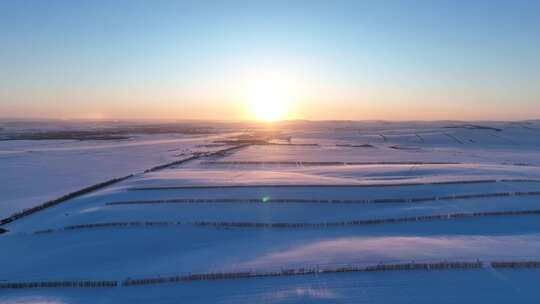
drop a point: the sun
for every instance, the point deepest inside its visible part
(269, 101)
(268, 106)
(268, 94)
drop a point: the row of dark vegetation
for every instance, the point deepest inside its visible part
(355, 146)
(458, 182)
(59, 284)
(65, 135)
(260, 138)
(518, 264)
(294, 144)
(303, 271)
(411, 266)
(322, 201)
(165, 129)
(473, 127)
(195, 156)
(421, 218)
(174, 163)
(400, 147)
(326, 163)
(112, 225)
(262, 142)
(242, 141)
(112, 133)
(61, 199)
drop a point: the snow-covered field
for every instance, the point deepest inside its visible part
(37, 171)
(336, 195)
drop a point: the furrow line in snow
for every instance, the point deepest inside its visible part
(454, 138)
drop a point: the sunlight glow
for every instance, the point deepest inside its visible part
(268, 105)
(269, 98)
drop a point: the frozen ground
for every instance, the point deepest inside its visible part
(359, 194)
(37, 171)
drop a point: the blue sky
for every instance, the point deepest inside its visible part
(345, 59)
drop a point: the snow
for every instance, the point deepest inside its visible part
(469, 286)
(434, 170)
(36, 171)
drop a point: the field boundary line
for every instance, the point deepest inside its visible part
(290, 225)
(316, 269)
(374, 185)
(323, 201)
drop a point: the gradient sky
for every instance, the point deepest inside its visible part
(339, 59)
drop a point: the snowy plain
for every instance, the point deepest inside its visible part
(36, 171)
(148, 226)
